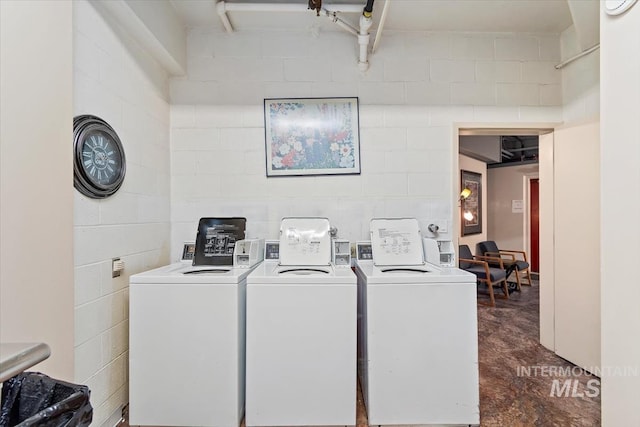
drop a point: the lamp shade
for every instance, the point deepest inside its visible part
(465, 193)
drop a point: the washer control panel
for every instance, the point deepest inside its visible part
(364, 251)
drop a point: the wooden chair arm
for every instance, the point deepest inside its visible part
(473, 261)
(483, 263)
(510, 257)
(492, 259)
(523, 253)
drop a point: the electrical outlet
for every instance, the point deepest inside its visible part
(117, 265)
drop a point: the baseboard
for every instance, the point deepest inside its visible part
(115, 418)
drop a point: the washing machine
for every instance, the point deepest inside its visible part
(187, 335)
(417, 332)
(301, 332)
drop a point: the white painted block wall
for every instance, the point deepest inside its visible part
(115, 80)
(419, 86)
(580, 80)
(412, 68)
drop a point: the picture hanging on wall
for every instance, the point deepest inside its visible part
(471, 205)
(312, 136)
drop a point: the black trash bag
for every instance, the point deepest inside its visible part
(34, 399)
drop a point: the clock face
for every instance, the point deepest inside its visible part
(101, 158)
(99, 161)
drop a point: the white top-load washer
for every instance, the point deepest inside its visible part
(417, 332)
(187, 336)
(301, 333)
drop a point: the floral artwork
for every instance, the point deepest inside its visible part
(317, 136)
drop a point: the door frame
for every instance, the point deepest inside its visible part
(498, 128)
(526, 218)
(547, 320)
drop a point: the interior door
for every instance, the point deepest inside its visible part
(576, 202)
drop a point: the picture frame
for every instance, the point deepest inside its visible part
(312, 136)
(471, 206)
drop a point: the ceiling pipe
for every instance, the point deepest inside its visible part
(383, 18)
(345, 25)
(578, 56)
(368, 8)
(363, 37)
(222, 13)
(222, 7)
(363, 41)
(288, 7)
(506, 153)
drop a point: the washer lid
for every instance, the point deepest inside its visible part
(396, 241)
(374, 275)
(180, 273)
(305, 241)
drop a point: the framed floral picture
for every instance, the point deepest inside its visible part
(312, 136)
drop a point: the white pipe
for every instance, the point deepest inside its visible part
(344, 8)
(363, 41)
(289, 7)
(365, 23)
(345, 25)
(221, 8)
(580, 55)
(383, 18)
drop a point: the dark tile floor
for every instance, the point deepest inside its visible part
(509, 395)
(508, 337)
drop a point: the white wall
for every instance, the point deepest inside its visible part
(412, 68)
(36, 186)
(417, 88)
(473, 165)
(117, 81)
(504, 185)
(218, 170)
(620, 155)
(580, 79)
(407, 170)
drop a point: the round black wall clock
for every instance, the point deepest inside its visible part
(98, 157)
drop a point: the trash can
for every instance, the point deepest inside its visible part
(34, 399)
